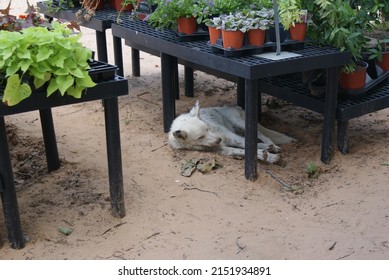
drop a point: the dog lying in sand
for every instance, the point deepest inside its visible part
(221, 130)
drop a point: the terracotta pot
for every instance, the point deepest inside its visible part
(356, 79)
(187, 25)
(117, 5)
(298, 31)
(256, 37)
(384, 63)
(214, 34)
(232, 39)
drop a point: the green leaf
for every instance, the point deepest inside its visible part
(15, 91)
(86, 82)
(38, 82)
(43, 53)
(64, 83)
(65, 230)
(24, 65)
(52, 87)
(76, 92)
(77, 73)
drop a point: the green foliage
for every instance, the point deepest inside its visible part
(289, 12)
(338, 25)
(244, 20)
(312, 170)
(168, 11)
(37, 56)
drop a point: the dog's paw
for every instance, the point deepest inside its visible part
(273, 148)
(268, 157)
(273, 158)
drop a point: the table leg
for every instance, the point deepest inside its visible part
(118, 54)
(240, 93)
(135, 61)
(343, 136)
(168, 94)
(8, 194)
(52, 157)
(101, 42)
(251, 129)
(189, 88)
(115, 170)
(176, 87)
(328, 139)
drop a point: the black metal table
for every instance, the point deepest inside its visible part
(108, 91)
(249, 71)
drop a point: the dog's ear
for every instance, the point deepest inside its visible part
(179, 134)
(195, 112)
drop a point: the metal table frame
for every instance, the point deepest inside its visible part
(108, 92)
(249, 70)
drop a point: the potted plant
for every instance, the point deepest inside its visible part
(257, 22)
(38, 54)
(171, 13)
(377, 12)
(233, 27)
(337, 24)
(293, 18)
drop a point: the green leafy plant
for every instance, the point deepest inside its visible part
(338, 24)
(312, 170)
(57, 5)
(259, 19)
(168, 11)
(290, 12)
(36, 56)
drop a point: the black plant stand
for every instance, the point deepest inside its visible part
(108, 91)
(247, 70)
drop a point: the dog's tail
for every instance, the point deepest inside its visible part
(276, 137)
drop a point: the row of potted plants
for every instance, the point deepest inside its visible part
(231, 28)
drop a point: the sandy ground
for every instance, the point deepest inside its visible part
(284, 214)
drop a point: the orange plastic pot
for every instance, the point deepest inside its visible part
(256, 37)
(354, 80)
(232, 39)
(214, 34)
(298, 31)
(187, 25)
(384, 63)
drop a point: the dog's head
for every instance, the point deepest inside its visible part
(188, 131)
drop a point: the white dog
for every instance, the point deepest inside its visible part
(221, 129)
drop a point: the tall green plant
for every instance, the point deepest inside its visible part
(337, 24)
